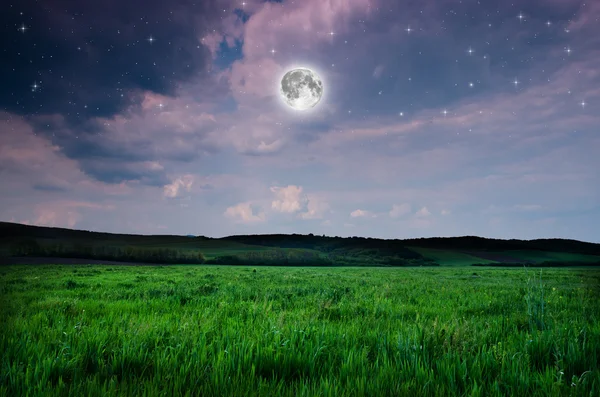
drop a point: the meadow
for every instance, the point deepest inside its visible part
(187, 330)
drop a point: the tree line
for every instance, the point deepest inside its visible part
(110, 253)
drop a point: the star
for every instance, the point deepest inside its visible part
(401, 113)
(521, 16)
(516, 82)
(548, 23)
(22, 28)
(273, 51)
(34, 86)
(408, 29)
(151, 39)
(331, 33)
(445, 112)
(470, 51)
(471, 84)
(568, 50)
(583, 104)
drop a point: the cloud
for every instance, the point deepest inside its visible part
(292, 200)
(254, 140)
(62, 213)
(293, 30)
(289, 199)
(399, 210)
(302, 23)
(315, 209)
(422, 213)
(178, 185)
(244, 213)
(32, 159)
(362, 214)
(139, 145)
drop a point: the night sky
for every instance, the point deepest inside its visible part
(439, 117)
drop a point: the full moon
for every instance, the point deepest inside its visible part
(301, 88)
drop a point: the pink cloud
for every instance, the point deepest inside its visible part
(33, 158)
(244, 213)
(422, 213)
(362, 214)
(179, 184)
(284, 29)
(63, 213)
(288, 199)
(586, 18)
(301, 23)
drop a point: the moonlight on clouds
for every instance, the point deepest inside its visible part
(301, 88)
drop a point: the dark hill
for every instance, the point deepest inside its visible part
(292, 249)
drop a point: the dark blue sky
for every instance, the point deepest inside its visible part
(439, 118)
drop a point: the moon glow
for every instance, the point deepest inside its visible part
(301, 88)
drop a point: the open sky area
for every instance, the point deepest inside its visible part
(438, 118)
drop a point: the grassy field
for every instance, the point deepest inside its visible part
(541, 256)
(448, 257)
(231, 331)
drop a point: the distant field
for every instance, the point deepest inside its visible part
(543, 256)
(450, 258)
(102, 330)
(447, 257)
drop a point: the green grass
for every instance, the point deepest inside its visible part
(448, 257)
(230, 331)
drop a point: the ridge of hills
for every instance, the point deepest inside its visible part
(19, 240)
